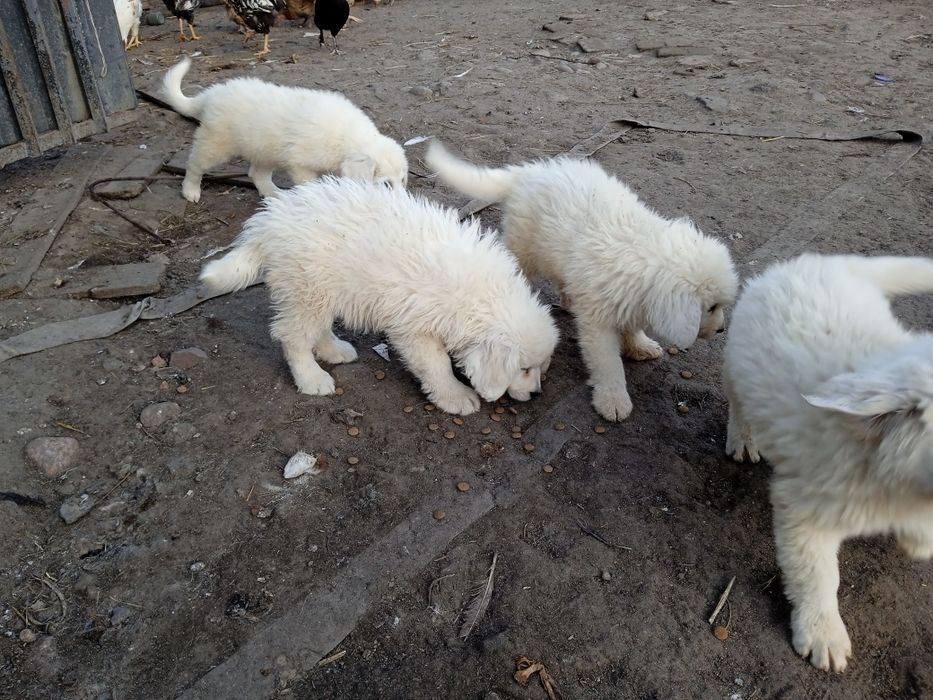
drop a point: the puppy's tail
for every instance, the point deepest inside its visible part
(236, 270)
(896, 275)
(491, 184)
(171, 90)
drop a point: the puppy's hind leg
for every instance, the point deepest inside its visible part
(638, 346)
(428, 360)
(599, 344)
(299, 334)
(739, 440)
(262, 178)
(808, 557)
(207, 151)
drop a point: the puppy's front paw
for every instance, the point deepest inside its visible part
(916, 546)
(459, 400)
(739, 445)
(336, 352)
(823, 637)
(612, 401)
(191, 192)
(315, 383)
(643, 349)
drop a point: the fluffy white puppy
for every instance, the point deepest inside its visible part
(382, 260)
(838, 395)
(304, 132)
(622, 268)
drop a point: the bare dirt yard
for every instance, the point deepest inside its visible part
(188, 567)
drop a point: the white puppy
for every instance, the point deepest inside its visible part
(382, 260)
(304, 132)
(623, 268)
(838, 395)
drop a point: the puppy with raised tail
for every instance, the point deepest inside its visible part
(825, 382)
(623, 269)
(382, 260)
(305, 132)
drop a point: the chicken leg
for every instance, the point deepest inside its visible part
(194, 36)
(265, 46)
(181, 30)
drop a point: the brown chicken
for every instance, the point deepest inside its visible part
(299, 9)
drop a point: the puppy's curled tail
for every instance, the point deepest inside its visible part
(236, 270)
(491, 184)
(171, 90)
(896, 275)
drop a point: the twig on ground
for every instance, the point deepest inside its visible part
(722, 601)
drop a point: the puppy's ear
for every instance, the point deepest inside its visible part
(870, 393)
(491, 368)
(675, 317)
(359, 167)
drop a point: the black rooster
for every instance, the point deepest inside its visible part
(256, 16)
(331, 15)
(184, 11)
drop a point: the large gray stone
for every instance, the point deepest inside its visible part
(156, 414)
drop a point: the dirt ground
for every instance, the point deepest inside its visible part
(201, 573)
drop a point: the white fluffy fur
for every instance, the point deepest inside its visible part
(304, 132)
(382, 260)
(622, 268)
(838, 395)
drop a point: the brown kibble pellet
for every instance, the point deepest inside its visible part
(672, 351)
(559, 426)
(353, 431)
(408, 409)
(528, 447)
(721, 633)
(463, 486)
(683, 408)
(182, 389)
(164, 386)
(496, 417)
(499, 409)
(686, 374)
(439, 514)
(547, 468)
(380, 375)
(599, 429)
(450, 435)
(339, 391)
(458, 421)
(516, 436)
(486, 430)
(513, 410)
(433, 426)
(353, 460)
(429, 407)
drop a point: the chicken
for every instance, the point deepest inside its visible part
(257, 16)
(331, 15)
(184, 11)
(129, 13)
(299, 9)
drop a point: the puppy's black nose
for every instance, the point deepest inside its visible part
(721, 330)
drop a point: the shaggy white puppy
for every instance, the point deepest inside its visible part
(621, 268)
(304, 132)
(838, 395)
(382, 260)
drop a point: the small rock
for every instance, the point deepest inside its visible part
(27, 636)
(701, 62)
(156, 414)
(743, 62)
(187, 358)
(713, 103)
(76, 507)
(686, 374)
(300, 463)
(421, 91)
(154, 19)
(559, 426)
(53, 455)
(197, 566)
(119, 615)
(650, 44)
(565, 67)
(158, 362)
(592, 45)
(654, 15)
(605, 575)
(182, 432)
(547, 468)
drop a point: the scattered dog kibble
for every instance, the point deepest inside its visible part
(182, 389)
(499, 409)
(672, 351)
(450, 435)
(721, 633)
(513, 410)
(380, 375)
(486, 430)
(463, 486)
(496, 417)
(547, 468)
(516, 436)
(458, 421)
(429, 407)
(433, 426)
(686, 374)
(528, 447)
(559, 426)
(353, 460)
(439, 514)
(683, 408)
(353, 431)
(408, 409)
(599, 429)
(338, 391)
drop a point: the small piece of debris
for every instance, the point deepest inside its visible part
(528, 447)
(380, 375)
(463, 486)
(439, 514)
(686, 374)
(721, 633)
(197, 566)
(353, 431)
(76, 507)
(559, 426)
(382, 350)
(300, 463)
(450, 435)
(262, 512)
(683, 408)
(547, 469)
(408, 409)
(27, 636)
(353, 460)
(605, 575)
(599, 429)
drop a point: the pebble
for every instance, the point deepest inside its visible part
(547, 468)
(408, 409)
(353, 460)
(458, 421)
(156, 414)
(187, 358)
(463, 486)
(421, 91)
(721, 633)
(27, 636)
(559, 426)
(75, 507)
(686, 374)
(353, 431)
(654, 15)
(486, 430)
(163, 385)
(683, 408)
(380, 375)
(433, 426)
(154, 19)
(119, 615)
(450, 435)
(528, 447)
(182, 389)
(338, 391)
(158, 362)
(439, 514)
(197, 566)
(599, 429)
(53, 455)
(182, 432)
(606, 576)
